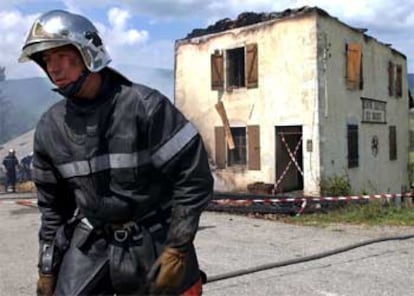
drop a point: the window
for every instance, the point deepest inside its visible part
(390, 78)
(393, 142)
(247, 147)
(394, 85)
(398, 82)
(241, 68)
(352, 136)
(235, 68)
(373, 111)
(354, 77)
(237, 156)
(411, 138)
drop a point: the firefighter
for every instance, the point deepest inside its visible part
(11, 164)
(26, 163)
(122, 177)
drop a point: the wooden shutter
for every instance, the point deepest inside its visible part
(220, 147)
(353, 67)
(251, 66)
(253, 137)
(390, 78)
(398, 82)
(217, 78)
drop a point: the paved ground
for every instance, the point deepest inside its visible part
(230, 243)
(226, 243)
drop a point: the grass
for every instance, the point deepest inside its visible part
(372, 213)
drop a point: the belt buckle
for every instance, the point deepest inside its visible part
(121, 235)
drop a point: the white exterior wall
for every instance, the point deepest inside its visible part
(339, 106)
(286, 95)
(300, 84)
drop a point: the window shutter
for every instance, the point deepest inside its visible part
(251, 66)
(217, 78)
(253, 136)
(390, 78)
(353, 67)
(398, 82)
(220, 147)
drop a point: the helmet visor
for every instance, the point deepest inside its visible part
(33, 48)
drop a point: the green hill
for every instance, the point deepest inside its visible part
(24, 100)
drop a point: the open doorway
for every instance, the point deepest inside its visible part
(289, 158)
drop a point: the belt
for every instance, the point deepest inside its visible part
(121, 232)
(130, 229)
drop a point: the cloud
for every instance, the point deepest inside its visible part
(121, 40)
(131, 46)
(157, 54)
(388, 21)
(118, 33)
(13, 27)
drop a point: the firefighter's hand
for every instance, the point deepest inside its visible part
(167, 272)
(45, 284)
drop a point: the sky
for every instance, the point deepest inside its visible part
(142, 33)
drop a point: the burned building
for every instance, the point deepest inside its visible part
(294, 98)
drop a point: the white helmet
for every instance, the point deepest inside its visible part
(58, 28)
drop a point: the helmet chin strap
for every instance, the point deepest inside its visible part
(74, 87)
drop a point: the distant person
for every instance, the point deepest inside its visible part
(122, 177)
(26, 170)
(11, 164)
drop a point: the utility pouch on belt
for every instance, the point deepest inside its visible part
(52, 253)
(64, 234)
(47, 259)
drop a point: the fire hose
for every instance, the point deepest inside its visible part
(246, 271)
(267, 266)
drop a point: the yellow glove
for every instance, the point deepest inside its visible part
(45, 284)
(168, 271)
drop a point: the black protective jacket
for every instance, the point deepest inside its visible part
(10, 162)
(118, 158)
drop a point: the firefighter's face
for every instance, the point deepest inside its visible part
(63, 64)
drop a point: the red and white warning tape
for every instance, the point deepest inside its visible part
(305, 200)
(265, 201)
(300, 199)
(23, 202)
(356, 197)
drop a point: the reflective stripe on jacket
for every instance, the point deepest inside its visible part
(118, 157)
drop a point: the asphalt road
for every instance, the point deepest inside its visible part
(227, 243)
